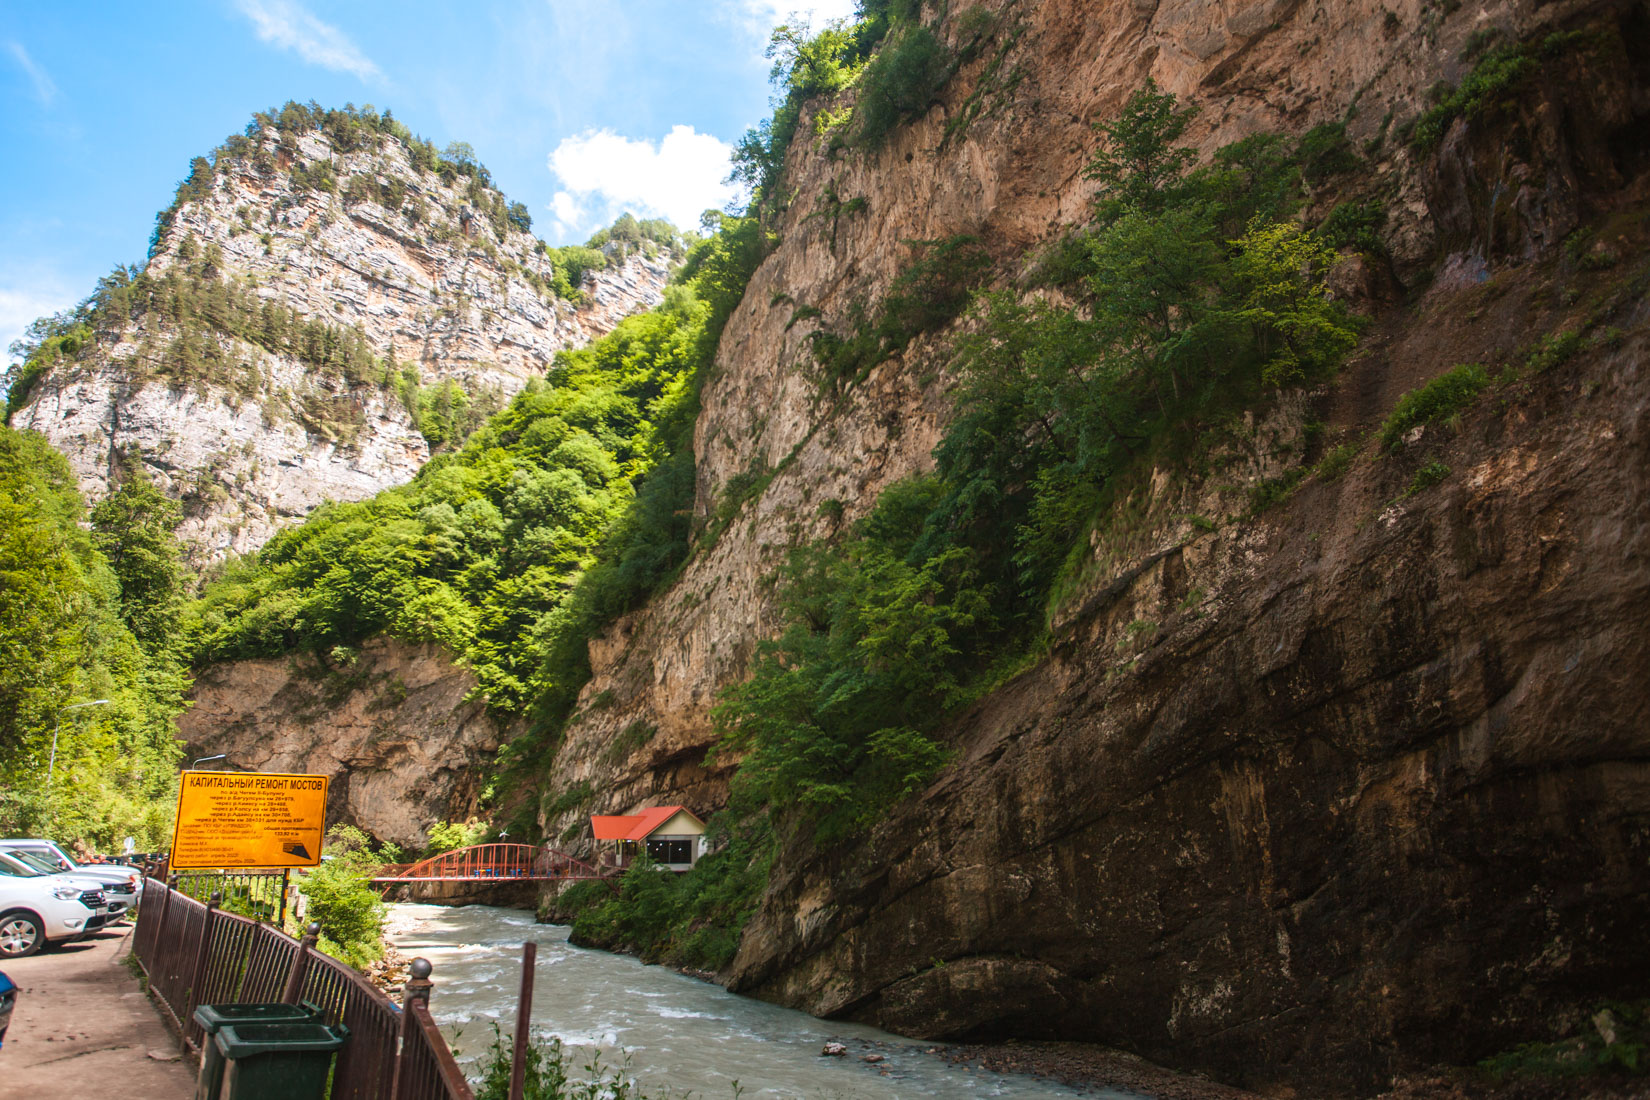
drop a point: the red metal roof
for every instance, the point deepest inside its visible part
(635, 826)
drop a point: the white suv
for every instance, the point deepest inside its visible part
(37, 909)
(123, 884)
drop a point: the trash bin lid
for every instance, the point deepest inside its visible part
(248, 1040)
(212, 1017)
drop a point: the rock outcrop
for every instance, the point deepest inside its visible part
(363, 240)
(394, 725)
(1371, 790)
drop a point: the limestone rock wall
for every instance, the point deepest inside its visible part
(1013, 176)
(392, 724)
(1371, 790)
(431, 284)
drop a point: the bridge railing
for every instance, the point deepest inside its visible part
(491, 861)
(197, 954)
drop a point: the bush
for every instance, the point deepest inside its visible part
(1427, 476)
(1355, 225)
(341, 899)
(690, 919)
(1442, 397)
(901, 82)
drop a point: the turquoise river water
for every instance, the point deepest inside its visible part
(683, 1037)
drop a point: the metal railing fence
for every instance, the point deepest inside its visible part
(260, 895)
(197, 954)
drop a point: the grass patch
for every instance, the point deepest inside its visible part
(1337, 462)
(1426, 477)
(1618, 1041)
(631, 738)
(1440, 398)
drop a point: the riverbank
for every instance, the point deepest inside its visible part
(84, 1025)
(1084, 1066)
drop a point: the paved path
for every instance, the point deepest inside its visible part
(83, 1028)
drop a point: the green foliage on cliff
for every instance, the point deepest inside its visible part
(931, 291)
(1494, 84)
(895, 63)
(1614, 1042)
(1438, 399)
(1194, 299)
(563, 511)
(692, 919)
(190, 324)
(68, 614)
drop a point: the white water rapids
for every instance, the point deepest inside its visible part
(682, 1035)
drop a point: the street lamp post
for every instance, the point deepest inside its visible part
(51, 764)
(199, 760)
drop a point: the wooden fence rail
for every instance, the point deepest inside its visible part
(196, 954)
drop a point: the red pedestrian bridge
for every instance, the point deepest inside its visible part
(488, 863)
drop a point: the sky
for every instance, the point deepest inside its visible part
(582, 109)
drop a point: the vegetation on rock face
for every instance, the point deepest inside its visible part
(1194, 298)
(1494, 83)
(895, 64)
(85, 615)
(563, 511)
(1439, 399)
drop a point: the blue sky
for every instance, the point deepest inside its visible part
(579, 109)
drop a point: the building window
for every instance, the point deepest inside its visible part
(670, 851)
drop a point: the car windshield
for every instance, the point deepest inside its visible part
(34, 859)
(16, 868)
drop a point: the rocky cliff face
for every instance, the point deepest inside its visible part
(392, 724)
(1370, 790)
(452, 302)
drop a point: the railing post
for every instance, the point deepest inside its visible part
(524, 1013)
(202, 956)
(300, 964)
(153, 944)
(416, 991)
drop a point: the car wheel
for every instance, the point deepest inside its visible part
(21, 934)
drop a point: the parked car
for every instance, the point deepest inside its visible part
(8, 1000)
(122, 895)
(123, 884)
(38, 908)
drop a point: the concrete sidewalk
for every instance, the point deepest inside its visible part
(83, 1027)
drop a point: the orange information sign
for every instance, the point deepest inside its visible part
(249, 819)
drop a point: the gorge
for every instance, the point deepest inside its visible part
(1138, 533)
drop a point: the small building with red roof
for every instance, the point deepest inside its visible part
(672, 836)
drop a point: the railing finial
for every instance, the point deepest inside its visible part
(418, 982)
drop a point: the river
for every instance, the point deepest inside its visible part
(681, 1034)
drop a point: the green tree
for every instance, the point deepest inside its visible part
(133, 528)
(62, 641)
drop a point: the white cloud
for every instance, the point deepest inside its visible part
(18, 307)
(602, 175)
(286, 24)
(767, 14)
(45, 90)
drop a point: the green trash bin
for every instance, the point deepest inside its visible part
(288, 1061)
(213, 1017)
